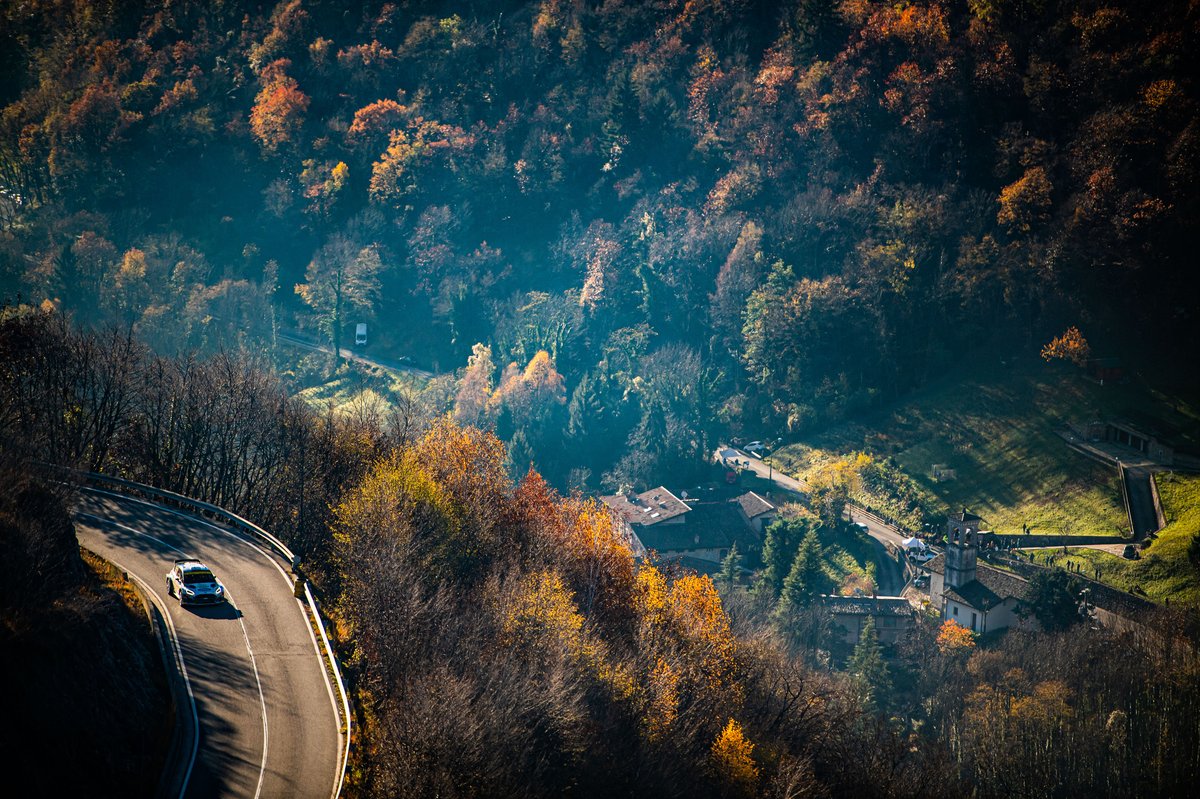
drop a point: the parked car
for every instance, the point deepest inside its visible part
(921, 581)
(194, 583)
(360, 334)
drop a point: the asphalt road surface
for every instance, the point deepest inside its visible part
(268, 723)
(889, 572)
(350, 355)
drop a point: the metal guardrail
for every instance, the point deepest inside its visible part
(875, 517)
(337, 673)
(210, 511)
(197, 507)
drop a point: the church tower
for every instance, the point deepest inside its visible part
(962, 548)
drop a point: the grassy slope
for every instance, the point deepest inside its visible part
(848, 562)
(355, 388)
(994, 424)
(1163, 571)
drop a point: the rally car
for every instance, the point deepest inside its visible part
(194, 584)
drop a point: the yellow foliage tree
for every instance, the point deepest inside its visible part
(733, 761)
(662, 690)
(1025, 202)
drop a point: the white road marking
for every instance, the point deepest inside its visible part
(270, 559)
(178, 659)
(262, 771)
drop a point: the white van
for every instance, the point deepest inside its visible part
(360, 334)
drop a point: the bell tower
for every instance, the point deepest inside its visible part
(962, 548)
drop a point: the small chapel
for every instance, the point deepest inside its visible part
(976, 595)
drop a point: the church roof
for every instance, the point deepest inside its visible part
(965, 516)
(989, 588)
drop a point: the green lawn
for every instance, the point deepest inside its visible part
(994, 425)
(1163, 571)
(848, 562)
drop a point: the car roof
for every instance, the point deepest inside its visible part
(191, 565)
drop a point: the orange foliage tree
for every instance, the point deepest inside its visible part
(278, 109)
(953, 639)
(1070, 346)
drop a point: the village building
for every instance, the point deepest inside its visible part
(696, 534)
(893, 616)
(756, 511)
(975, 595)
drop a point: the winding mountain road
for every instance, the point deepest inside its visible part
(268, 724)
(890, 574)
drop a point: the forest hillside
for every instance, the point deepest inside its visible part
(710, 216)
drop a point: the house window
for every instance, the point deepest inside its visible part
(956, 610)
(972, 621)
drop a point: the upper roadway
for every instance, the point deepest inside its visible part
(889, 573)
(267, 720)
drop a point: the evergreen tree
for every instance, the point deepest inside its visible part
(729, 566)
(1053, 599)
(806, 579)
(868, 668)
(779, 550)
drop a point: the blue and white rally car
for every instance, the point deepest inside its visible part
(194, 584)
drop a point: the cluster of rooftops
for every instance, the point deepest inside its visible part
(696, 531)
(699, 533)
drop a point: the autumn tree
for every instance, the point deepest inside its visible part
(1025, 203)
(954, 640)
(342, 278)
(475, 386)
(1070, 346)
(278, 112)
(733, 763)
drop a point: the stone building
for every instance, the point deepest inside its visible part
(691, 532)
(893, 616)
(977, 596)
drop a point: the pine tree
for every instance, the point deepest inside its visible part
(779, 553)
(868, 668)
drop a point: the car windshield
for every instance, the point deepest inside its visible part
(197, 577)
